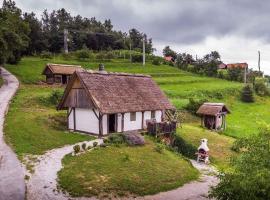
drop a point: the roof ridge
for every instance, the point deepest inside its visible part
(115, 73)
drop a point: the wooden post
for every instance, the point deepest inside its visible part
(142, 119)
(100, 120)
(122, 123)
(74, 119)
(116, 123)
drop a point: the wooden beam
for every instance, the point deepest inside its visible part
(116, 123)
(123, 121)
(95, 113)
(100, 120)
(142, 119)
(74, 119)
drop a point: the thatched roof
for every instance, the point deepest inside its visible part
(121, 92)
(61, 69)
(212, 109)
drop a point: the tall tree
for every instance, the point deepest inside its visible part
(167, 51)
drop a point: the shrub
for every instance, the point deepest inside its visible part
(261, 89)
(181, 146)
(116, 138)
(46, 55)
(84, 146)
(95, 144)
(105, 140)
(134, 139)
(89, 147)
(55, 96)
(103, 145)
(159, 148)
(247, 94)
(194, 105)
(109, 55)
(137, 58)
(156, 61)
(76, 148)
(83, 54)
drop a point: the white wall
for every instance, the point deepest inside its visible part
(70, 120)
(158, 115)
(119, 122)
(132, 125)
(105, 124)
(86, 120)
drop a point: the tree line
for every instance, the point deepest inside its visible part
(25, 34)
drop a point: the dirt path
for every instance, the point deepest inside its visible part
(43, 182)
(12, 186)
(196, 190)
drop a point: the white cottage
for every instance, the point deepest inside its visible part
(100, 103)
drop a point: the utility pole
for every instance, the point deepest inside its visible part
(245, 75)
(259, 61)
(143, 51)
(66, 41)
(130, 51)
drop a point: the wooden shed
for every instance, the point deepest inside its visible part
(213, 115)
(100, 102)
(58, 73)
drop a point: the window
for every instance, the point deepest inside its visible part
(58, 79)
(153, 114)
(133, 116)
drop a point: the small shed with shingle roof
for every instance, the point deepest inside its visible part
(59, 73)
(101, 102)
(213, 115)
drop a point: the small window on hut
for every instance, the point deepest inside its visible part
(58, 79)
(133, 116)
(153, 114)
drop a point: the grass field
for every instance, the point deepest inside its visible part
(33, 126)
(124, 170)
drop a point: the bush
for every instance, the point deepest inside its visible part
(76, 148)
(103, 145)
(156, 61)
(46, 55)
(109, 55)
(89, 147)
(134, 139)
(84, 146)
(181, 146)
(159, 148)
(261, 89)
(222, 73)
(95, 144)
(247, 94)
(83, 54)
(55, 96)
(137, 58)
(194, 105)
(116, 138)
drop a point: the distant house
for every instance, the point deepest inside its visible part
(222, 66)
(58, 73)
(169, 58)
(213, 115)
(99, 102)
(233, 65)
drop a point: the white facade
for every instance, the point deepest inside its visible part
(86, 121)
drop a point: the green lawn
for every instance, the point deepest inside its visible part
(219, 145)
(124, 171)
(33, 126)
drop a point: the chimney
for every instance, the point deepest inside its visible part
(101, 68)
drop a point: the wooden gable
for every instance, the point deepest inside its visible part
(77, 96)
(47, 71)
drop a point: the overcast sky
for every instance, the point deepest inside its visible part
(235, 28)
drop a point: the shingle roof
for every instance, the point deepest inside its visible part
(122, 92)
(62, 69)
(212, 109)
(241, 65)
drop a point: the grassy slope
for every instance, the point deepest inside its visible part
(33, 127)
(115, 170)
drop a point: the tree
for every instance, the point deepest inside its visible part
(167, 51)
(213, 56)
(250, 176)
(247, 94)
(13, 33)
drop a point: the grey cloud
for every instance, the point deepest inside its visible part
(177, 21)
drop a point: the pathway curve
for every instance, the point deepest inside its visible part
(12, 186)
(196, 190)
(43, 182)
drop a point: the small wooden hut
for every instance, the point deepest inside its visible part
(213, 115)
(58, 73)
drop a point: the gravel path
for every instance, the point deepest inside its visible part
(196, 190)
(12, 186)
(43, 182)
